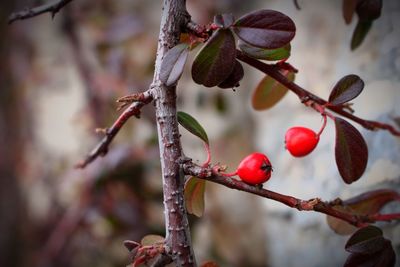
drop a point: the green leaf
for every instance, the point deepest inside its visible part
(348, 9)
(149, 240)
(367, 240)
(191, 124)
(194, 196)
(359, 33)
(173, 63)
(265, 54)
(215, 61)
(234, 78)
(351, 151)
(265, 28)
(269, 92)
(348, 88)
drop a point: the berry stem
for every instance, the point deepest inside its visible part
(323, 125)
(216, 171)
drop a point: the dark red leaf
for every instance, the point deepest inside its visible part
(351, 151)
(368, 10)
(372, 202)
(224, 20)
(131, 245)
(383, 258)
(173, 63)
(367, 240)
(346, 89)
(215, 61)
(359, 33)
(365, 204)
(234, 78)
(348, 9)
(265, 28)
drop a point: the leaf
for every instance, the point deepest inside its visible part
(364, 204)
(351, 151)
(367, 240)
(194, 196)
(224, 20)
(234, 78)
(384, 258)
(209, 264)
(149, 240)
(215, 61)
(339, 226)
(191, 124)
(348, 9)
(369, 10)
(265, 54)
(359, 33)
(173, 63)
(372, 202)
(346, 89)
(269, 92)
(265, 28)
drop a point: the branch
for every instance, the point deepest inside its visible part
(314, 204)
(133, 110)
(306, 96)
(52, 7)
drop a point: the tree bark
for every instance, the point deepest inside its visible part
(178, 241)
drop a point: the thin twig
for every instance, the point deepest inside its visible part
(314, 204)
(102, 148)
(307, 96)
(52, 7)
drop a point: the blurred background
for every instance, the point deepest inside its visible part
(59, 79)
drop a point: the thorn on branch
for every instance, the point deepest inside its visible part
(53, 8)
(109, 133)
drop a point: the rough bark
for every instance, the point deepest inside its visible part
(178, 242)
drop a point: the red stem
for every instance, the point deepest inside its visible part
(314, 204)
(306, 96)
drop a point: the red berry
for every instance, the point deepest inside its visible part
(255, 169)
(300, 141)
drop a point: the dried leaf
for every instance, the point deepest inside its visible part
(149, 240)
(265, 28)
(234, 78)
(269, 92)
(265, 54)
(215, 61)
(173, 63)
(339, 226)
(191, 124)
(351, 151)
(194, 196)
(346, 89)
